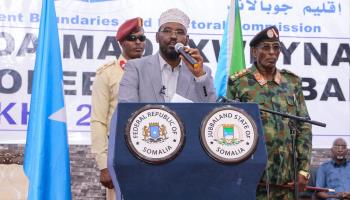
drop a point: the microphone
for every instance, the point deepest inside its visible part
(162, 90)
(179, 48)
(223, 99)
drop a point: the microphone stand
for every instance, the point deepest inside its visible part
(293, 119)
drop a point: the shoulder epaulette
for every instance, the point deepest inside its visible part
(104, 67)
(239, 74)
(284, 71)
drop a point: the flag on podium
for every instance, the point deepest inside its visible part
(46, 161)
(231, 57)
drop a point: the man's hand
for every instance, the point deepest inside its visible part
(106, 179)
(347, 195)
(196, 70)
(343, 195)
(302, 183)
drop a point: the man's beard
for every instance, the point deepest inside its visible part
(171, 54)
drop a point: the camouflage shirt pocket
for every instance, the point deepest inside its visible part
(263, 103)
(291, 104)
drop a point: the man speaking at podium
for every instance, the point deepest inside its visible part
(168, 76)
(278, 90)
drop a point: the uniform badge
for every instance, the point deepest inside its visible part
(122, 64)
(270, 33)
(229, 134)
(155, 134)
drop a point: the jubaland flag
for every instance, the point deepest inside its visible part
(46, 159)
(231, 57)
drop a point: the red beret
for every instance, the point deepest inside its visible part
(128, 27)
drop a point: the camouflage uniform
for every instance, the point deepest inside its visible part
(283, 94)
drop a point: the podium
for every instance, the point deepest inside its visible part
(192, 174)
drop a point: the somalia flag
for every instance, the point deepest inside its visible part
(46, 161)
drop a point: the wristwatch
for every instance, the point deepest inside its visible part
(305, 174)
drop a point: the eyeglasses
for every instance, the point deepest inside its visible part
(133, 38)
(276, 46)
(339, 147)
(170, 32)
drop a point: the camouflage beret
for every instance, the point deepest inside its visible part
(128, 27)
(270, 33)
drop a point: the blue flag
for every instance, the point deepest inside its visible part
(231, 57)
(46, 159)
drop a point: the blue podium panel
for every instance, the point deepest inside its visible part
(193, 174)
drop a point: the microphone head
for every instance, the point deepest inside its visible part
(178, 46)
(221, 99)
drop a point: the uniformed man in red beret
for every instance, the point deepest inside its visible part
(131, 38)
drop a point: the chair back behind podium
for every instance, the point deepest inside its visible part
(192, 174)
